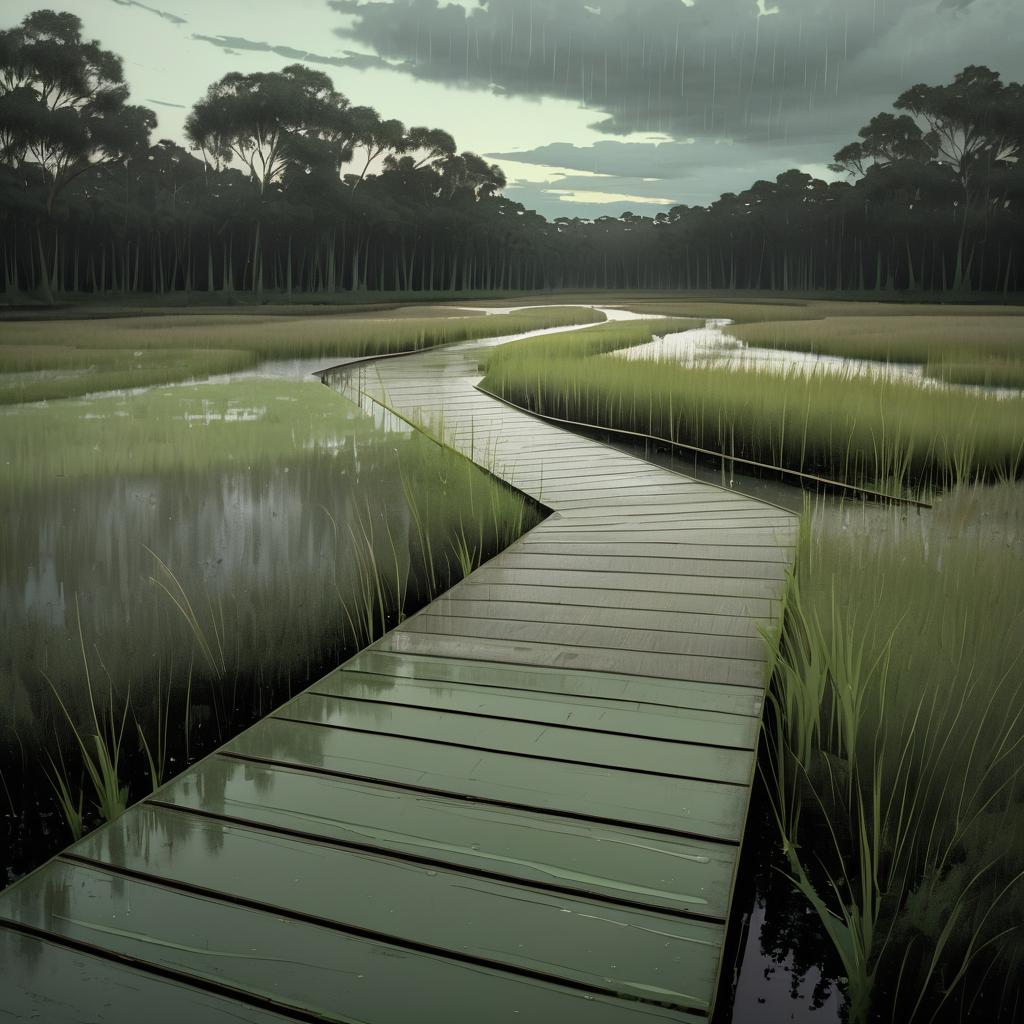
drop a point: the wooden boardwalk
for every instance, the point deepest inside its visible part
(524, 804)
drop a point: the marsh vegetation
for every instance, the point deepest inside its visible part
(882, 433)
(180, 559)
(895, 750)
(894, 741)
(183, 557)
(45, 359)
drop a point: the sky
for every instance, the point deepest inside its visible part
(591, 108)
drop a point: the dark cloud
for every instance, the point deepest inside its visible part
(351, 59)
(710, 68)
(166, 15)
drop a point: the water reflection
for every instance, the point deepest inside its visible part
(186, 574)
(252, 550)
(604, 946)
(711, 346)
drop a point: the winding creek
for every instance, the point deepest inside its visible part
(712, 346)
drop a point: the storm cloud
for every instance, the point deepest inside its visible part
(770, 72)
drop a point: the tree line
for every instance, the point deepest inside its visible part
(288, 187)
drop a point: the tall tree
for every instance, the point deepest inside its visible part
(267, 120)
(264, 119)
(375, 138)
(971, 125)
(430, 144)
(885, 139)
(64, 109)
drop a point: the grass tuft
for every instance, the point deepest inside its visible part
(887, 434)
(894, 748)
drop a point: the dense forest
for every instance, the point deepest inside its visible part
(286, 187)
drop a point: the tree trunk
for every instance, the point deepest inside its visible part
(44, 276)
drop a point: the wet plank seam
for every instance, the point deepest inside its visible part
(507, 685)
(390, 853)
(240, 995)
(512, 805)
(506, 753)
(372, 935)
(524, 721)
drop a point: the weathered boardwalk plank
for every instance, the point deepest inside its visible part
(525, 803)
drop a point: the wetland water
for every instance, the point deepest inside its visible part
(712, 346)
(212, 565)
(188, 556)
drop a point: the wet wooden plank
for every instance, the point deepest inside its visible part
(512, 568)
(632, 690)
(690, 877)
(698, 511)
(678, 725)
(683, 521)
(704, 810)
(47, 982)
(679, 495)
(552, 559)
(618, 637)
(717, 541)
(294, 965)
(589, 610)
(731, 672)
(524, 739)
(738, 609)
(602, 946)
(641, 545)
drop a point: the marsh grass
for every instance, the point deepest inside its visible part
(364, 529)
(37, 372)
(895, 750)
(57, 359)
(974, 349)
(758, 309)
(186, 427)
(99, 740)
(889, 434)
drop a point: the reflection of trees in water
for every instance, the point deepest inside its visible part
(794, 940)
(793, 945)
(788, 943)
(247, 551)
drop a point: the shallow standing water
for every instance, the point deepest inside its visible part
(183, 559)
(249, 547)
(712, 346)
(180, 559)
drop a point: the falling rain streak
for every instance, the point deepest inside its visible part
(675, 74)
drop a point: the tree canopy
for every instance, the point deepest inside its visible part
(286, 184)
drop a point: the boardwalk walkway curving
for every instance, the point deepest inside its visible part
(526, 803)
